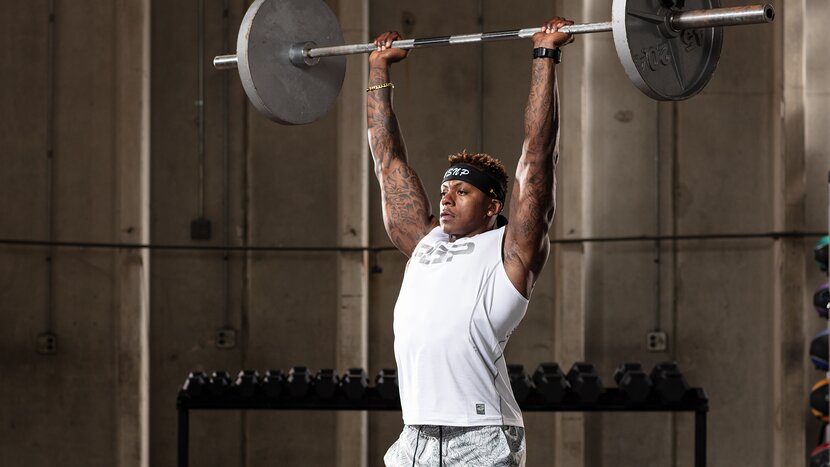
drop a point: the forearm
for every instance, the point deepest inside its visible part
(542, 112)
(406, 211)
(385, 138)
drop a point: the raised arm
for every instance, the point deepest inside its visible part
(407, 214)
(532, 202)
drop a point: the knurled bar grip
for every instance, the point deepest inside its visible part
(691, 19)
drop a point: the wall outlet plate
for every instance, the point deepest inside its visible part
(200, 229)
(47, 343)
(657, 341)
(226, 338)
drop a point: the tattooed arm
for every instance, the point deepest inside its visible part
(407, 214)
(532, 202)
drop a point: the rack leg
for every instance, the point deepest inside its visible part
(183, 437)
(700, 438)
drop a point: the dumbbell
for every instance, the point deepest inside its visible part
(550, 382)
(818, 350)
(821, 299)
(519, 381)
(246, 382)
(387, 383)
(326, 383)
(818, 400)
(355, 382)
(585, 381)
(272, 383)
(633, 381)
(821, 253)
(820, 456)
(195, 384)
(220, 382)
(669, 382)
(298, 381)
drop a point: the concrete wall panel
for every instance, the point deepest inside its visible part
(62, 401)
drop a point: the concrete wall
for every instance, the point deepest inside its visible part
(727, 161)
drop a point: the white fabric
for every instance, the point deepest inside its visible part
(454, 314)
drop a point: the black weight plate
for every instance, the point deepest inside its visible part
(664, 64)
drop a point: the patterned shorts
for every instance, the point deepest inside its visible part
(439, 446)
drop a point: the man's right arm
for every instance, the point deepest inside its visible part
(407, 214)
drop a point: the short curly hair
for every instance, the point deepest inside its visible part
(485, 162)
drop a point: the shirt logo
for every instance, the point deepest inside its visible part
(442, 252)
(479, 409)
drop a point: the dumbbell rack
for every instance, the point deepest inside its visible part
(609, 400)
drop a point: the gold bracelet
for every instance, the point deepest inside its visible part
(380, 86)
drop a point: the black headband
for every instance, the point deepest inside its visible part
(477, 178)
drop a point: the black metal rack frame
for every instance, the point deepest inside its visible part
(610, 400)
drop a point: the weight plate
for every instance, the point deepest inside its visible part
(286, 93)
(664, 64)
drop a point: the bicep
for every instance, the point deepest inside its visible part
(532, 206)
(407, 214)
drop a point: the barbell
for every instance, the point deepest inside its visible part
(668, 48)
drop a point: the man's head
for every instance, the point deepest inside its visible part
(472, 194)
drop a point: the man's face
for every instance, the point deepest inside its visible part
(466, 210)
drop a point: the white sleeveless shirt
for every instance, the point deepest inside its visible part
(454, 314)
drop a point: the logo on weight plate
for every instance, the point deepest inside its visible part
(653, 56)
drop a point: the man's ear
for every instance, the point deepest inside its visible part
(495, 207)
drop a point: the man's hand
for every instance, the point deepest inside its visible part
(385, 54)
(550, 37)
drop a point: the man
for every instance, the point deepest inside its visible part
(469, 275)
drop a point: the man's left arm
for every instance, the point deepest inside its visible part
(532, 203)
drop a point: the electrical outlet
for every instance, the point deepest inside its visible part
(657, 341)
(226, 338)
(47, 343)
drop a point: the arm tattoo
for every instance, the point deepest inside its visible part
(532, 203)
(407, 214)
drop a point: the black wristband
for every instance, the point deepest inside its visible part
(544, 52)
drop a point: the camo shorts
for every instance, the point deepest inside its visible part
(440, 446)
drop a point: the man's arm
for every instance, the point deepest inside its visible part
(532, 202)
(407, 214)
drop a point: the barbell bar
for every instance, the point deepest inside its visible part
(668, 53)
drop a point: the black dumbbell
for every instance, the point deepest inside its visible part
(220, 381)
(387, 383)
(194, 385)
(585, 381)
(821, 253)
(820, 456)
(355, 382)
(818, 350)
(246, 382)
(669, 382)
(326, 382)
(633, 381)
(520, 382)
(819, 400)
(298, 381)
(550, 382)
(272, 383)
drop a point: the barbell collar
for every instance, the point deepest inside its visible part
(298, 55)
